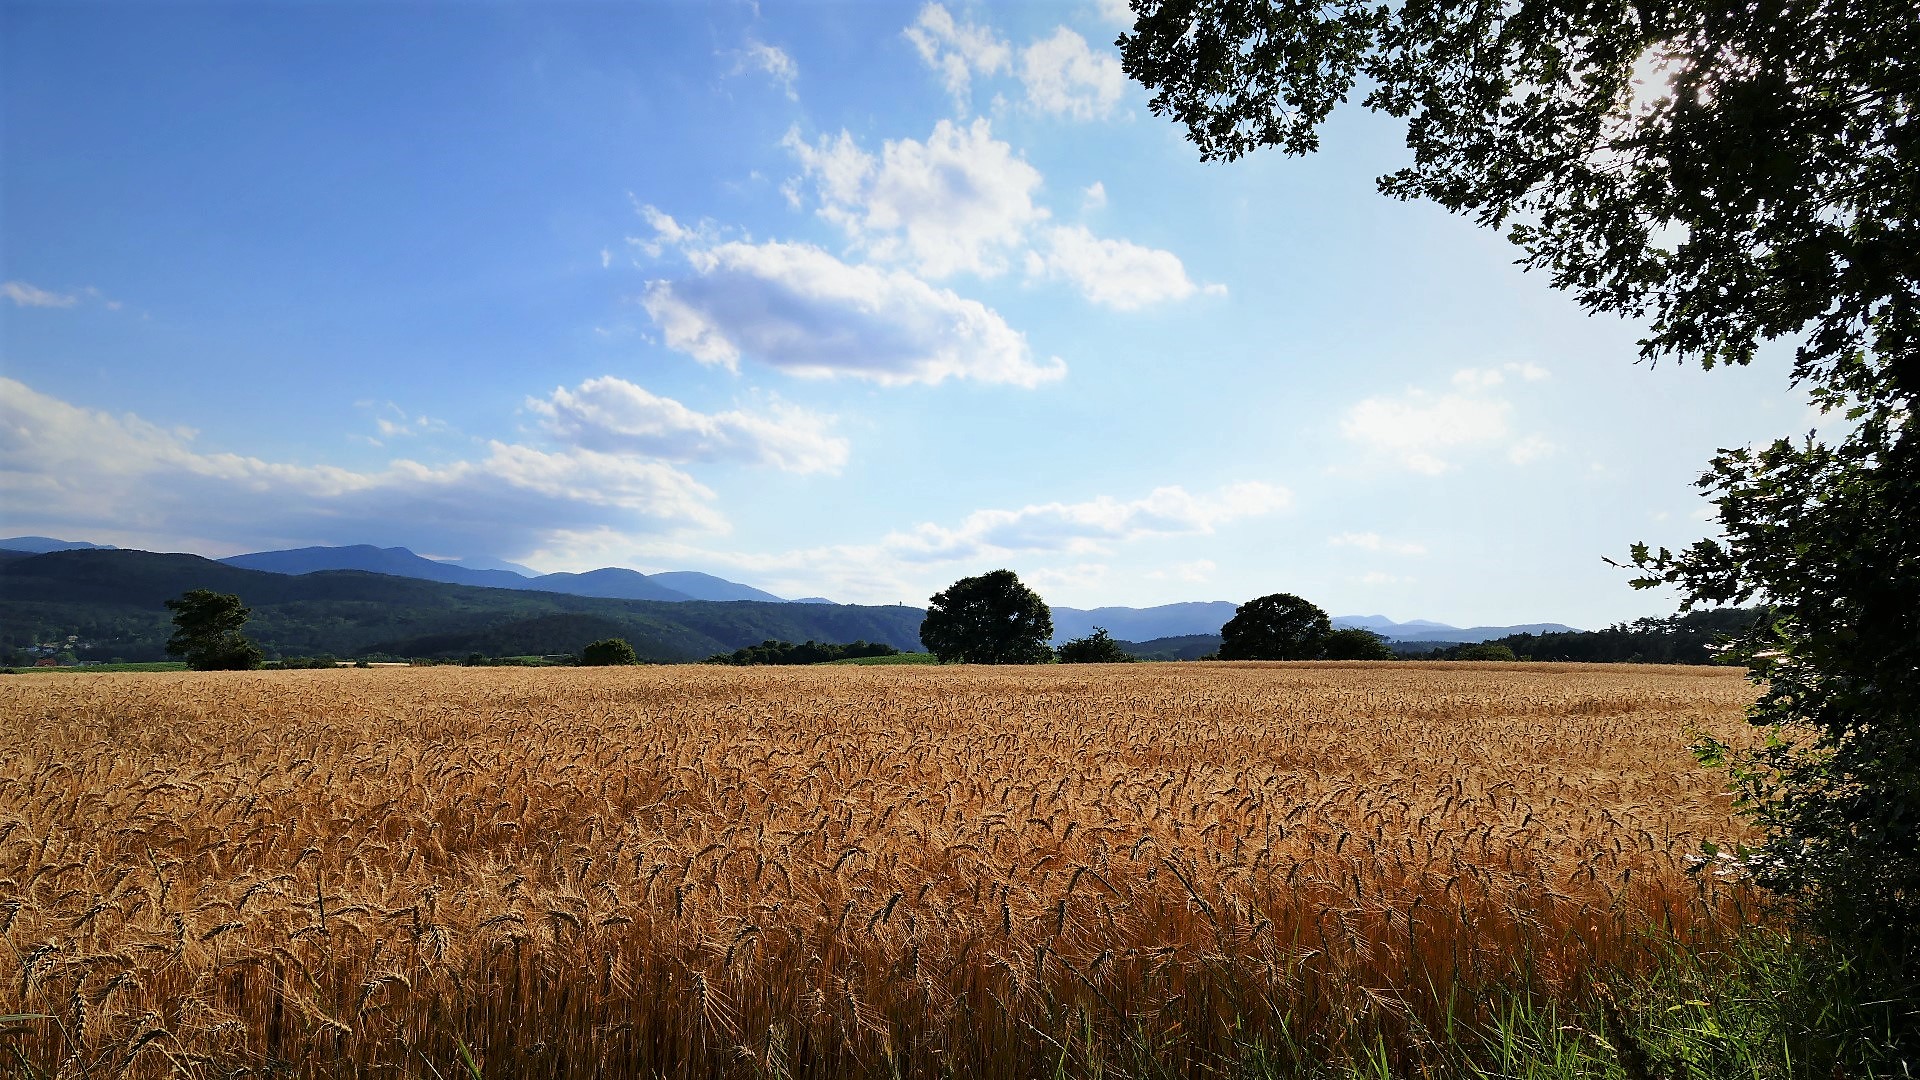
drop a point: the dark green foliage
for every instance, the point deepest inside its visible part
(207, 632)
(1484, 650)
(1840, 657)
(1280, 626)
(1773, 194)
(1180, 647)
(608, 652)
(113, 601)
(1096, 648)
(990, 619)
(811, 652)
(1356, 643)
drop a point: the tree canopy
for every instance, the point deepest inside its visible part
(989, 619)
(1735, 172)
(1732, 174)
(1096, 648)
(1280, 626)
(608, 652)
(207, 632)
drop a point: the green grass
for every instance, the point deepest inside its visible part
(897, 658)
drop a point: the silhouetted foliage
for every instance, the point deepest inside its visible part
(1357, 643)
(608, 652)
(1096, 648)
(990, 619)
(1280, 626)
(207, 632)
(811, 652)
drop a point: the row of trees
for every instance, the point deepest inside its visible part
(994, 619)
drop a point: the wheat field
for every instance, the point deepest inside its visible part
(835, 871)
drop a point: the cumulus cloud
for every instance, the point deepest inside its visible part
(958, 202)
(799, 309)
(1369, 541)
(1117, 12)
(81, 470)
(1065, 77)
(957, 50)
(613, 416)
(1113, 273)
(1051, 543)
(1090, 526)
(1093, 196)
(1426, 432)
(26, 295)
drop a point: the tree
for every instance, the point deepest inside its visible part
(1096, 648)
(1485, 650)
(1357, 643)
(207, 632)
(990, 619)
(1277, 627)
(1769, 190)
(608, 652)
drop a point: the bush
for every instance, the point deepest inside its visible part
(609, 652)
(1096, 648)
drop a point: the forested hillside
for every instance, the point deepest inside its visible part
(112, 602)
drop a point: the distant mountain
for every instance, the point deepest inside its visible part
(485, 563)
(812, 600)
(397, 561)
(1143, 624)
(707, 587)
(1185, 620)
(612, 582)
(1184, 647)
(609, 581)
(115, 602)
(40, 545)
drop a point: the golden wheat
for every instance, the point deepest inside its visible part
(938, 871)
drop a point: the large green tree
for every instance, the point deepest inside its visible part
(989, 619)
(1731, 173)
(207, 632)
(1280, 626)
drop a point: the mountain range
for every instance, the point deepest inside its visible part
(1124, 623)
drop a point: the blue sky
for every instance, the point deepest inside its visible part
(833, 299)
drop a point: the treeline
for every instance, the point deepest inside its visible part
(1695, 637)
(809, 652)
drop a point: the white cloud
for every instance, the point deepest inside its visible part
(25, 295)
(1425, 431)
(774, 62)
(1063, 76)
(1417, 427)
(1117, 12)
(1369, 541)
(612, 416)
(957, 50)
(1529, 449)
(955, 203)
(1486, 378)
(73, 469)
(1194, 573)
(1090, 526)
(908, 565)
(800, 309)
(1093, 196)
(1113, 273)
(394, 422)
